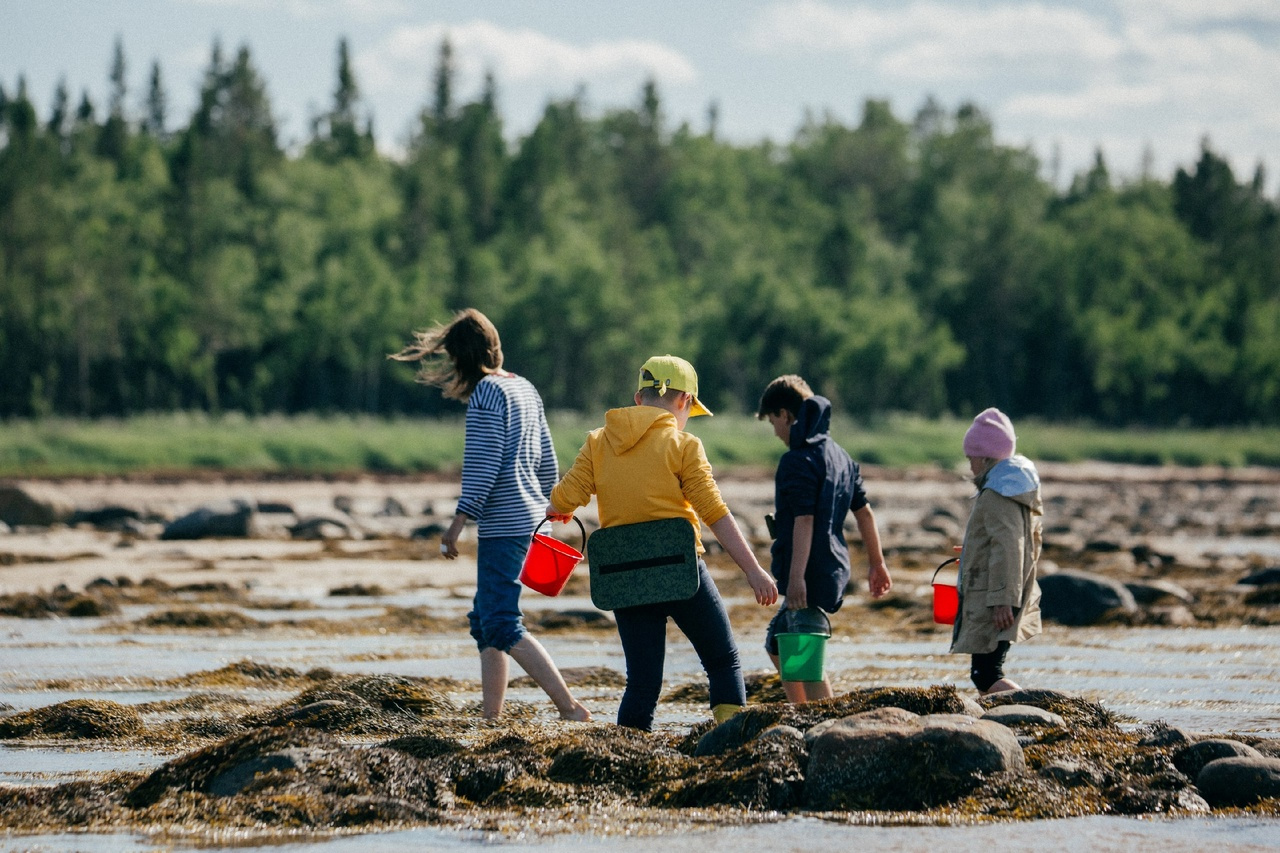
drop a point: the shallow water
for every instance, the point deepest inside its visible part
(1200, 679)
(801, 835)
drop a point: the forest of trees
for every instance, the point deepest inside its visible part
(899, 265)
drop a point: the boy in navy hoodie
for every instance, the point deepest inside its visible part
(815, 488)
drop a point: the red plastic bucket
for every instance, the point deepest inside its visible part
(946, 598)
(549, 562)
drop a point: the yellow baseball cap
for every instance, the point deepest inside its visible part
(669, 371)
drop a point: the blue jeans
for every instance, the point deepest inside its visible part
(495, 616)
(643, 632)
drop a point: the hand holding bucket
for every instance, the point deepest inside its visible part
(802, 648)
(549, 562)
(946, 598)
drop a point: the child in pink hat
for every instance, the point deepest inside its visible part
(999, 596)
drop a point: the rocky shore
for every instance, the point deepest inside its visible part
(273, 745)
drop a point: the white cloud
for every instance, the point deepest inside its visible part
(1090, 104)
(518, 57)
(1195, 13)
(1121, 74)
(929, 40)
(1016, 27)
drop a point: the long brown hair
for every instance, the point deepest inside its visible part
(471, 347)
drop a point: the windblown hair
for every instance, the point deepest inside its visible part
(786, 393)
(471, 350)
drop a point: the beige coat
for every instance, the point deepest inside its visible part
(998, 559)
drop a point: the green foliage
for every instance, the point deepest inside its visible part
(307, 445)
(899, 266)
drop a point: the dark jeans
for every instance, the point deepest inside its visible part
(643, 631)
(986, 669)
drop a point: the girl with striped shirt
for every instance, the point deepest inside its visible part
(508, 469)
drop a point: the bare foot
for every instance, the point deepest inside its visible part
(1004, 685)
(578, 713)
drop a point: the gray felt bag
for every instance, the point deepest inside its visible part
(643, 563)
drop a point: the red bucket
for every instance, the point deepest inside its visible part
(549, 562)
(946, 598)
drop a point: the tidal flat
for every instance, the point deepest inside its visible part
(139, 671)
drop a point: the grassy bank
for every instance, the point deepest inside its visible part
(192, 444)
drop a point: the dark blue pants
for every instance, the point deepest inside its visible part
(643, 631)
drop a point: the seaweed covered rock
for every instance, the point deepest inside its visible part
(80, 719)
(624, 760)
(742, 727)
(374, 704)
(58, 602)
(881, 761)
(426, 745)
(1072, 709)
(76, 804)
(738, 730)
(315, 778)
(480, 772)
(767, 773)
(191, 618)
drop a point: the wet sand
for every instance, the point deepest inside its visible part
(1209, 665)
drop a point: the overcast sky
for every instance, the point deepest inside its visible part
(1065, 78)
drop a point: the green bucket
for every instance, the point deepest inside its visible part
(801, 657)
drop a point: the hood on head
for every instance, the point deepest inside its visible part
(813, 422)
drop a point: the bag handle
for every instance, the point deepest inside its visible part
(942, 566)
(581, 530)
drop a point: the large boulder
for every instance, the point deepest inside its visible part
(881, 761)
(232, 519)
(33, 505)
(1240, 781)
(1262, 577)
(1073, 597)
(1191, 759)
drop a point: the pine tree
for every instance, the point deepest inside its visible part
(114, 139)
(157, 105)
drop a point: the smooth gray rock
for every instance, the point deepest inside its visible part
(1073, 597)
(1022, 715)
(33, 505)
(231, 519)
(862, 763)
(1239, 781)
(1191, 759)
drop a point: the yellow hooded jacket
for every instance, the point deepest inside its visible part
(642, 467)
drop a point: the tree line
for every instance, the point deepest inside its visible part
(900, 265)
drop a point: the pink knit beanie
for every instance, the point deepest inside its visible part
(990, 436)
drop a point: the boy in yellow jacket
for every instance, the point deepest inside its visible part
(642, 466)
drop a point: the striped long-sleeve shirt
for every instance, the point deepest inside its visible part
(509, 463)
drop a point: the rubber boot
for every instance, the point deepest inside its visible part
(725, 711)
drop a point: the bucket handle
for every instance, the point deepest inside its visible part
(581, 530)
(942, 566)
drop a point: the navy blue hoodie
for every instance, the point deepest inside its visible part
(816, 477)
